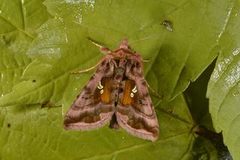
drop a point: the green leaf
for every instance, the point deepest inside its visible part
(37, 132)
(18, 22)
(224, 86)
(18, 25)
(11, 68)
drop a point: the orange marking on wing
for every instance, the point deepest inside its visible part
(106, 95)
(127, 99)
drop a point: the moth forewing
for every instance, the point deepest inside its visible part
(90, 110)
(135, 112)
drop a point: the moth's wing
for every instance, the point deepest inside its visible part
(94, 106)
(135, 112)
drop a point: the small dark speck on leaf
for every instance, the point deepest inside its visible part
(6, 40)
(168, 25)
(34, 80)
(8, 125)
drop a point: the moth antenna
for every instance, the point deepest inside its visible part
(86, 70)
(103, 49)
(154, 92)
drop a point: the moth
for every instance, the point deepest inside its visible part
(118, 94)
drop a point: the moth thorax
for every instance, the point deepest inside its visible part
(119, 72)
(134, 90)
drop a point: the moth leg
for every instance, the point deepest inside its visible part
(153, 91)
(86, 70)
(103, 49)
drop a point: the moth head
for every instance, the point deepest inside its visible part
(123, 62)
(124, 44)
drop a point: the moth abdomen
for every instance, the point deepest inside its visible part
(113, 123)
